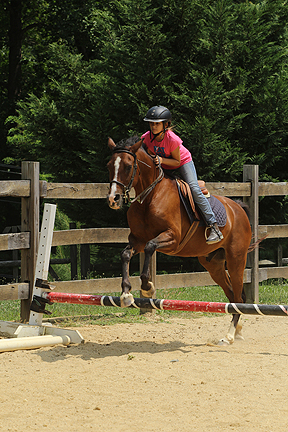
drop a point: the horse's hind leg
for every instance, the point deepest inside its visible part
(216, 268)
(236, 266)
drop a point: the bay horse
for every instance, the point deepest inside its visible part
(159, 222)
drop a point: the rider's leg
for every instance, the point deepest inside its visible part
(188, 173)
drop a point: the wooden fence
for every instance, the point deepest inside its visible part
(30, 190)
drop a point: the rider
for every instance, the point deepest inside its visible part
(162, 141)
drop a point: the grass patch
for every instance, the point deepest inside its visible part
(273, 293)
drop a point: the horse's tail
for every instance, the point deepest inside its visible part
(247, 211)
(255, 244)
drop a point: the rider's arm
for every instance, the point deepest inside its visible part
(174, 161)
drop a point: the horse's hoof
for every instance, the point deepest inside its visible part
(126, 300)
(225, 341)
(146, 294)
(150, 292)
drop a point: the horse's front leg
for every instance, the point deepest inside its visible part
(147, 286)
(126, 298)
(165, 239)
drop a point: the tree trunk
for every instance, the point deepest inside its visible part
(15, 42)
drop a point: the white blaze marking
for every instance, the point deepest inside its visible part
(116, 169)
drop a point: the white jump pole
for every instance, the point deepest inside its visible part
(32, 342)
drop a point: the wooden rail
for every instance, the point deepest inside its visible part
(30, 190)
(21, 188)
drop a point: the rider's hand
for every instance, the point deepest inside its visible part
(158, 160)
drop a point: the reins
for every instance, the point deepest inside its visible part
(141, 197)
(126, 189)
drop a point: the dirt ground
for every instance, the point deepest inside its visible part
(160, 376)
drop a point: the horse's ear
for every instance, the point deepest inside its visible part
(136, 146)
(111, 144)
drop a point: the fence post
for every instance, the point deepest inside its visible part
(251, 174)
(73, 256)
(15, 269)
(85, 260)
(30, 209)
(152, 270)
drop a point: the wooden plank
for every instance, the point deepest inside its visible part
(112, 285)
(90, 286)
(273, 189)
(21, 188)
(229, 189)
(100, 190)
(17, 291)
(77, 190)
(90, 236)
(30, 223)
(179, 280)
(273, 231)
(190, 279)
(14, 188)
(273, 273)
(15, 241)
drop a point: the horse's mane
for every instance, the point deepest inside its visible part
(124, 143)
(127, 142)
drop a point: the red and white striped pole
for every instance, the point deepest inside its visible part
(162, 304)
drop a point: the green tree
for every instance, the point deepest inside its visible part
(220, 66)
(235, 91)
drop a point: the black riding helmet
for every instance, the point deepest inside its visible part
(158, 113)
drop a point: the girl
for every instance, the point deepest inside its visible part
(162, 141)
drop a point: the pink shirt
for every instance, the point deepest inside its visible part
(164, 148)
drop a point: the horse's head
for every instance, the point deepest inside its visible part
(122, 170)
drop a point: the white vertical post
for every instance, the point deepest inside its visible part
(43, 257)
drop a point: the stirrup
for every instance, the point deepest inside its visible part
(218, 233)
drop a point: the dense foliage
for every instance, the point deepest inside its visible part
(93, 70)
(72, 73)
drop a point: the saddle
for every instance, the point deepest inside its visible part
(187, 198)
(194, 215)
(189, 205)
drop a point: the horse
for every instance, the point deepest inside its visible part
(159, 222)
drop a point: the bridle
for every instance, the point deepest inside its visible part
(126, 189)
